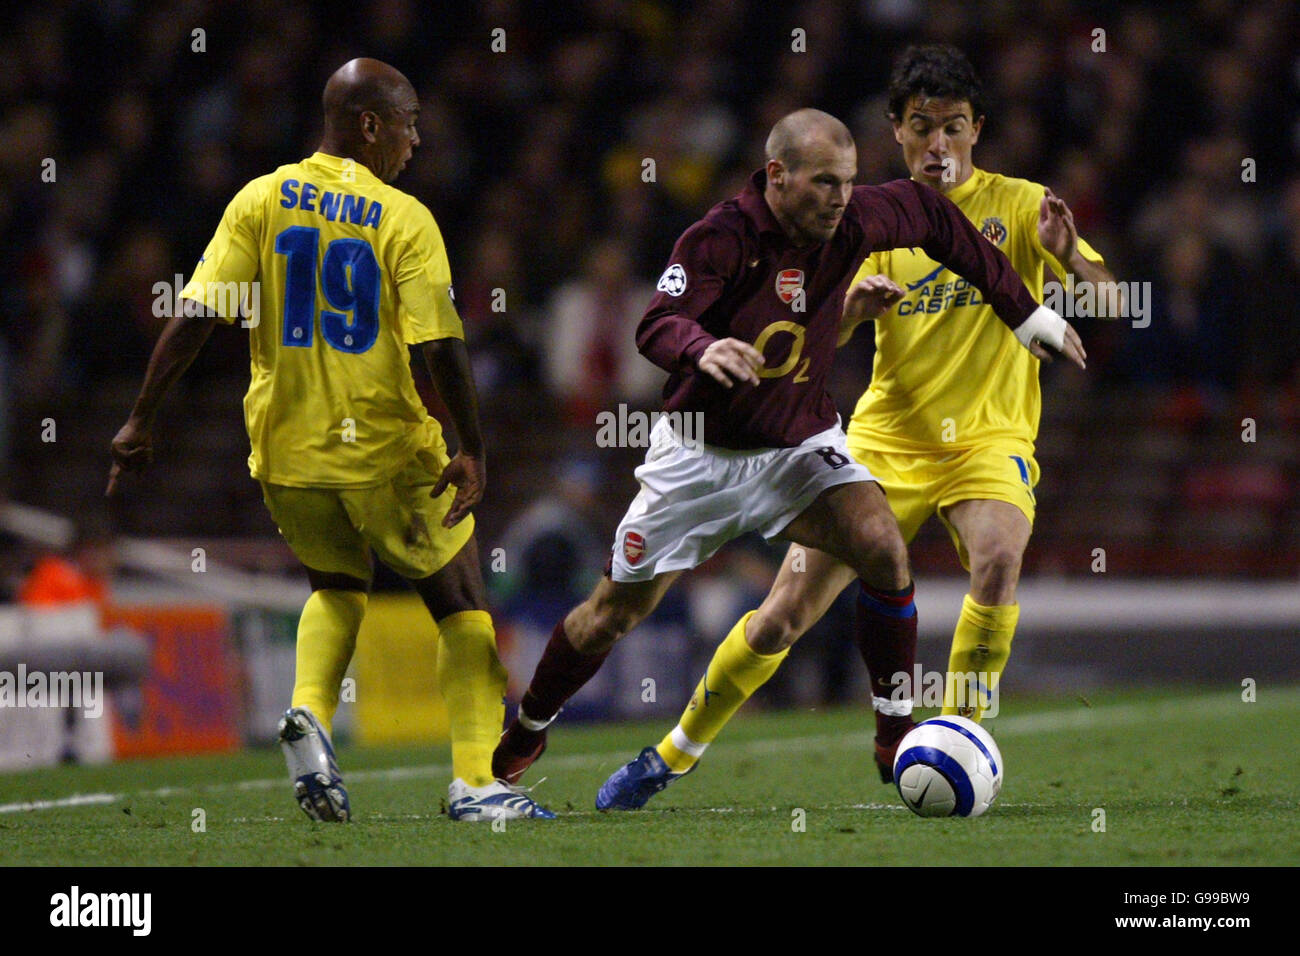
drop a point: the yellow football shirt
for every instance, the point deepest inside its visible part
(948, 374)
(343, 272)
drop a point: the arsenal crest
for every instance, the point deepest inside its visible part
(788, 284)
(994, 231)
(633, 547)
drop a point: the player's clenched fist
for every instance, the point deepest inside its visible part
(730, 361)
(868, 299)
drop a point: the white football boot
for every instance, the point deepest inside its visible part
(313, 771)
(495, 801)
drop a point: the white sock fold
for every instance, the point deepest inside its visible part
(686, 745)
(890, 707)
(534, 725)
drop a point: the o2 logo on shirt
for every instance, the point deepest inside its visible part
(673, 281)
(788, 284)
(994, 231)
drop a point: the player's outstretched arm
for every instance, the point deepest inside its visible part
(1060, 237)
(181, 340)
(905, 213)
(448, 363)
(704, 262)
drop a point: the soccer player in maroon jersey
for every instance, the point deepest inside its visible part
(746, 320)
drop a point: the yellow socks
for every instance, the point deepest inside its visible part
(327, 635)
(735, 672)
(470, 675)
(980, 648)
(473, 684)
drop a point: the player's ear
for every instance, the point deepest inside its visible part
(898, 129)
(975, 128)
(369, 126)
(776, 172)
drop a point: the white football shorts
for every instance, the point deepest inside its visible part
(695, 498)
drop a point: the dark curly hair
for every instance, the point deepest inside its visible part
(937, 70)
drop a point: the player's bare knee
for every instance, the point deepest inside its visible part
(771, 633)
(606, 623)
(995, 572)
(881, 554)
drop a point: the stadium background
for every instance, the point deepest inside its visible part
(531, 161)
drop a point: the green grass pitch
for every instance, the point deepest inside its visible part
(1184, 778)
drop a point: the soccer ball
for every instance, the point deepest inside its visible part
(948, 767)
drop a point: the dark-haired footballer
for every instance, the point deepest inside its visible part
(947, 425)
(746, 321)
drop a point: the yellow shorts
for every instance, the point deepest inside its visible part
(918, 485)
(334, 529)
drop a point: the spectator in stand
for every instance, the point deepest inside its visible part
(569, 509)
(79, 575)
(1192, 346)
(592, 362)
(493, 302)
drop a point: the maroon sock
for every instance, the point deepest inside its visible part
(560, 674)
(885, 630)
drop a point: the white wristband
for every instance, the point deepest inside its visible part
(1044, 325)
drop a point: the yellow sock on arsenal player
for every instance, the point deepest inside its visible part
(981, 646)
(473, 684)
(735, 672)
(327, 635)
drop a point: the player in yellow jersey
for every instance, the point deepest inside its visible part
(947, 425)
(940, 439)
(337, 274)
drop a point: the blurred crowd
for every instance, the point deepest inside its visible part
(1172, 131)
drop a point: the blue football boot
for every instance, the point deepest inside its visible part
(630, 787)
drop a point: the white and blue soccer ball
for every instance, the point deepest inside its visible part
(948, 767)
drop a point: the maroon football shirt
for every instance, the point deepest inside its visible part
(735, 274)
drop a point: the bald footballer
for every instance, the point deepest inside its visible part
(745, 320)
(947, 425)
(345, 273)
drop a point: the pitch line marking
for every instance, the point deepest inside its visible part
(1077, 718)
(667, 811)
